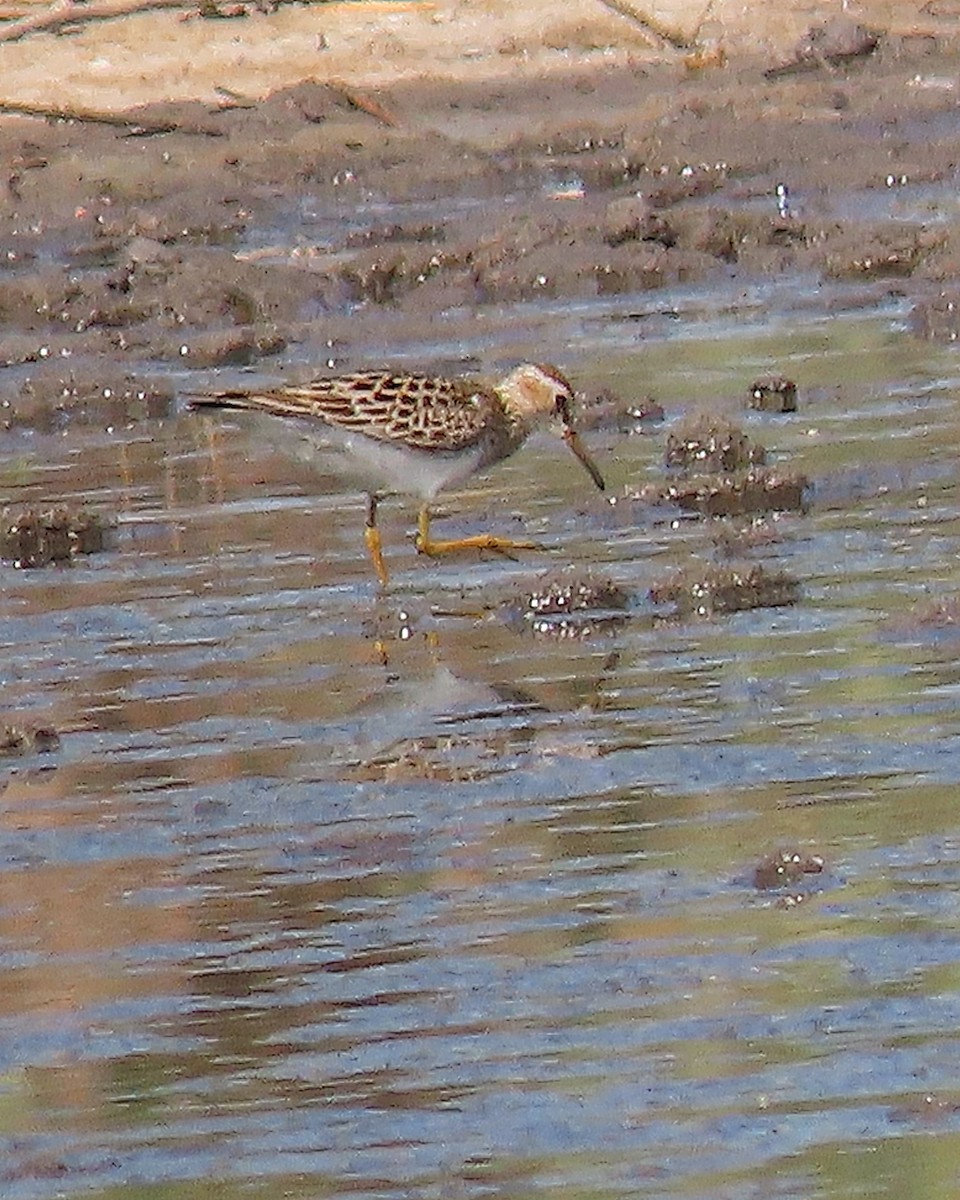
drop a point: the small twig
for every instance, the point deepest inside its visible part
(142, 126)
(363, 102)
(66, 12)
(662, 35)
(658, 31)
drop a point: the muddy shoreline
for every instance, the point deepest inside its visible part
(311, 229)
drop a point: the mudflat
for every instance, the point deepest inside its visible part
(337, 183)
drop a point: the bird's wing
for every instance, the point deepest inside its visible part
(423, 411)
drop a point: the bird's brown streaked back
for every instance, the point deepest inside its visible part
(424, 411)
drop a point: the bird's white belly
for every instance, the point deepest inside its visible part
(365, 463)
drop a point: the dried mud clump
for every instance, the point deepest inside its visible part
(710, 445)
(773, 393)
(384, 275)
(571, 605)
(28, 739)
(792, 874)
(885, 253)
(96, 395)
(227, 348)
(937, 320)
(31, 538)
(785, 868)
(541, 255)
(937, 613)
(933, 616)
(608, 410)
(741, 538)
(837, 41)
(757, 491)
(634, 219)
(705, 591)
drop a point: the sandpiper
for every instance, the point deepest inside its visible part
(411, 434)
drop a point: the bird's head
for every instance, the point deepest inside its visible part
(534, 391)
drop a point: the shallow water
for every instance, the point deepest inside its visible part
(328, 893)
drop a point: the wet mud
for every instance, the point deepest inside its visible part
(314, 886)
(325, 220)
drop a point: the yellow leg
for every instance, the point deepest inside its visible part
(480, 541)
(371, 536)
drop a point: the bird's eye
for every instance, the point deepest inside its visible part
(563, 407)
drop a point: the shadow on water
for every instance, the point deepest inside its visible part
(327, 893)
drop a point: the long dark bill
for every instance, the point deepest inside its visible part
(572, 438)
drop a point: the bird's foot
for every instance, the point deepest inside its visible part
(479, 541)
